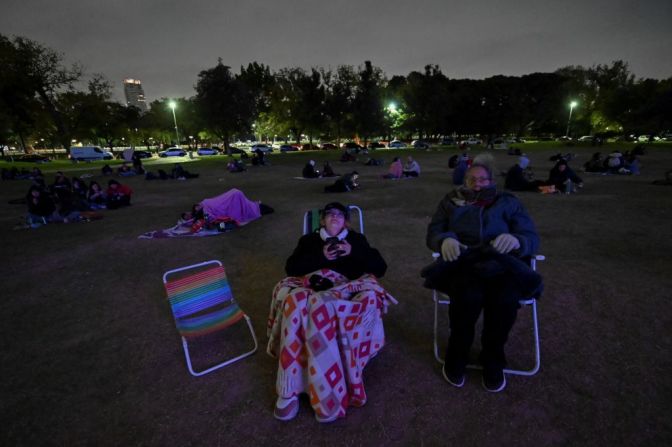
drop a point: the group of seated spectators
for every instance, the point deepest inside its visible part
(561, 177)
(410, 169)
(65, 200)
(14, 173)
(177, 173)
(309, 170)
(615, 163)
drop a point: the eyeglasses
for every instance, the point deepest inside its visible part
(478, 179)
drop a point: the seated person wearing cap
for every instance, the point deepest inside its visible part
(325, 322)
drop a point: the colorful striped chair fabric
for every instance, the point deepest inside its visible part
(202, 304)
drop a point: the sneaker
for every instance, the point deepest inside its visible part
(326, 419)
(494, 379)
(286, 408)
(454, 376)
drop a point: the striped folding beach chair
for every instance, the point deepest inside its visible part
(202, 303)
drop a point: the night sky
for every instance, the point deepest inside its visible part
(165, 44)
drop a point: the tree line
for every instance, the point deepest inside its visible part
(42, 105)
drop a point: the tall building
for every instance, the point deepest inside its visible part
(135, 96)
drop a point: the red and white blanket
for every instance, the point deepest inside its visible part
(323, 340)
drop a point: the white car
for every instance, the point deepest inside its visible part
(471, 141)
(172, 152)
(499, 144)
(262, 147)
(585, 138)
(207, 151)
(396, 144)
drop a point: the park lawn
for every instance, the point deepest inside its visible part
(91, 356)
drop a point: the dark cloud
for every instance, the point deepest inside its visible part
(166, 44)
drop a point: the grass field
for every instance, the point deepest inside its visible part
(90, 354)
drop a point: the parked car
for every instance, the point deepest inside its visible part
(142, 154)
(448, 141)
(351, 145)
(375, 145)
(89, 153)
(262, 147)
(309, 147)
(498, 144)
(233, 150)
(512, 140)
(471, 141)
(207, 151)
(396, 144)
(287, 148)
(172, 152)
(586, 138)
(32, 158)
(420, 144)
(328, 146)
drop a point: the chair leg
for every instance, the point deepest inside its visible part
(535, 329)
(185, 347)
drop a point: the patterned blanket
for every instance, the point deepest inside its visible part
(182, 229)
(323, 340)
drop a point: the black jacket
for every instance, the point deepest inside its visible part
(308, 257)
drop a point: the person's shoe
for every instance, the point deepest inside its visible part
(494, 379)
(454, 376)
(286, 408)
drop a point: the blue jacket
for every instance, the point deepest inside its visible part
(475, 226)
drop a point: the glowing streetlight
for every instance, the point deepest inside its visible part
(172, 106)
(392, 107)
(569, 120)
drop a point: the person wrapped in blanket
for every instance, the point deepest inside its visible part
(325, 321)
(224, 212)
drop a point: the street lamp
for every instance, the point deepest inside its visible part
(569, 120)
(172, 106)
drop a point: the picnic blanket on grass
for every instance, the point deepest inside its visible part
(323, 340)
(232, 206)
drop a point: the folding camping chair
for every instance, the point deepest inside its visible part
(311, 219)
(202, 303)
(441, 299)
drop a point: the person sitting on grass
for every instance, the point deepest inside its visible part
(331, 294)
(561, 174)
(235, 165)
(118, 195)
(518, 179)
(40, 206)
(96, 196)
(309, 170)
(411, 168)
(125, 170)
(106, 170)
(345, 183)
(395, 171)
(327, 170)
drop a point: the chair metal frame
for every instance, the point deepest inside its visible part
(358, 210)
(441, 299)
(185, 345)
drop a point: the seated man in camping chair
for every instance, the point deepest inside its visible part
(482, 235)
(326, 322)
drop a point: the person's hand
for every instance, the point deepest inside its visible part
(505, 242)
(328, 252)
(345, 247)
(451, 249)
